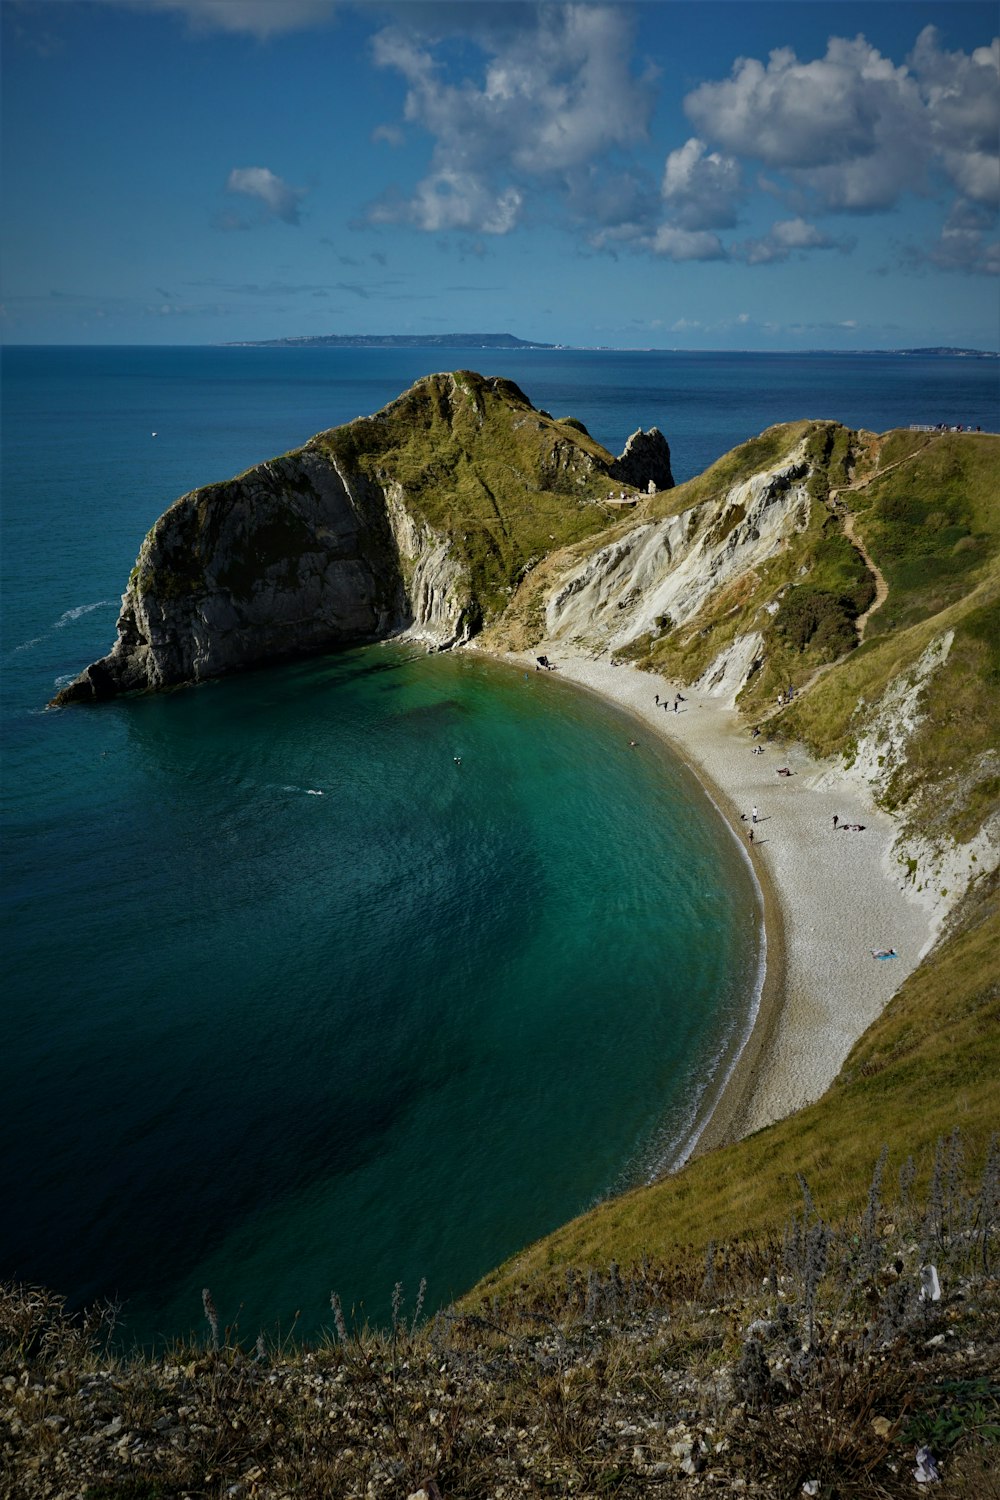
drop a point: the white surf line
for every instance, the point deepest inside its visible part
(66, 618)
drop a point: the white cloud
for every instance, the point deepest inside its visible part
(555, 99)
(784, 237)
(965, 242)
(850, 125)
(450, 199)
(855, 130)
(278, 199)
(687, 244)
(962, 94)
(702, 188)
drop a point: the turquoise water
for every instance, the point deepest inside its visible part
(282, 1043)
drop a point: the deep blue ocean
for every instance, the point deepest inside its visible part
(292, 1004)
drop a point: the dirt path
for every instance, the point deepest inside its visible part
(846, 517)
(881, 587)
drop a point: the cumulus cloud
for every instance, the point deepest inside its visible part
(851, 124)
(784, 237)
(555, 98)
(451, 199)
(702, 188)
(962, 94)
(855, 130)
(687, 244)
(277, 198)
(968, 242)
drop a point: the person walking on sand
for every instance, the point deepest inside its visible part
(657, 700)
(753, 814)
(836, 820)
(750, 835)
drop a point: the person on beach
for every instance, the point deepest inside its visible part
(750, 835)
(657, 700)
(784, 771)
(836, 820)
(753, 814)
(883, 953)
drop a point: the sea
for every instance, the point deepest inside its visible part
(294, 1003)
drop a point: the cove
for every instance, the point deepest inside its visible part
(317, 1008)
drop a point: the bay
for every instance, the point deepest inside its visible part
(293, 1002)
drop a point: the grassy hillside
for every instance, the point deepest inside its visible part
(479, 463)
(804, 600)
(930, 519)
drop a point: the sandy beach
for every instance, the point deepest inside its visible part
(826, 897)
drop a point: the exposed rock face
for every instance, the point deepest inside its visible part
(645, 461)
(291, 557)
(669, 568)
(420, 519)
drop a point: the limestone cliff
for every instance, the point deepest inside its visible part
(419, 519)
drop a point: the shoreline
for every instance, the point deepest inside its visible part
(821, 987)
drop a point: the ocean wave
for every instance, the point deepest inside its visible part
(65, 679)
(83, 609)
(66, 618)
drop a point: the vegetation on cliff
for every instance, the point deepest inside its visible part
(479, 464)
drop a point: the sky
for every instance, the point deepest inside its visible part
(690, 174)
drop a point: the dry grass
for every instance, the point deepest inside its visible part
(805, 1356)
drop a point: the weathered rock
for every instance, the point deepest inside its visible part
(645, 461)
(669, 568)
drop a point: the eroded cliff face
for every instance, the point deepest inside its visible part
(666, 570)
(420, 519)
(290, 557)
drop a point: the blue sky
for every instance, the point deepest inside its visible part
(669, 173)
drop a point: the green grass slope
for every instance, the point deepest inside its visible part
(477, 462)
(930, 518)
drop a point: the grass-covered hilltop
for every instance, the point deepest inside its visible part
(813, 1309)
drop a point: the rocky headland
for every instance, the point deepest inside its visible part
(421, 519)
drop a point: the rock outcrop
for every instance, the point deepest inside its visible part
(419, 519)
(645, 461)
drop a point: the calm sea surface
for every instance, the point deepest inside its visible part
(292, 1004)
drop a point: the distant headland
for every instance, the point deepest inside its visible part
(509, 341)
(398, 341)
